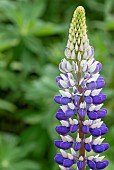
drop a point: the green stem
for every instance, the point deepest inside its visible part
(81, 134)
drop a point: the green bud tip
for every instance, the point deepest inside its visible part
(77, 34)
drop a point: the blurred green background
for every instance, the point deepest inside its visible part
(33, 35)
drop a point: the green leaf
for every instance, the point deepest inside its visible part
(108, 6)
(8, 106)
(56, 53)
(38, 8)
(107, 25)
(8, 79)
(8, 8)
(11, 155)
(6, 44)
(33, 44)
(34, 119)
(25, 165)
(8, 37)
(45, 86)
(47, 28)
(95, 5)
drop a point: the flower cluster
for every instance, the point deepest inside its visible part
(81, 100)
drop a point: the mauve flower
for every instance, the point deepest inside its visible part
(81, 100)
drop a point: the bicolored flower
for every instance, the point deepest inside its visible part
(80, 102)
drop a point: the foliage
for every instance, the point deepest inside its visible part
(11, 155)
(32, 41)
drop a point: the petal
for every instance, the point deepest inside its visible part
(58, 78)
(100, 83)
(98, 148)
(80, 164)
(99, 99)
(60, 115)
(102, 164)
(69, 113)
(59, 158)
(62, 130)
(76, 98)
(66, 145)
(103, 129)
(91, 164)
(57, 99)
(87, 146)
(102, 113)
(65, 100)
(73, 128)
(88, 99)
(58, 143)
(100, 66)
(85, 129)
(95, 132)
(82, 112)
(106, 146)
(68, 163)
(92, 115)
(91, 85)
(77, 146)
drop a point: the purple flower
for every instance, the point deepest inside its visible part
(62, 130)
(81, 100)
(68, 163)
(60, 115)
(91, 164)
(77, 146)
(59, 159)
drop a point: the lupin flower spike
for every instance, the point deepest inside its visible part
(81, 100)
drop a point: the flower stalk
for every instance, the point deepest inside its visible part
(81, 100)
